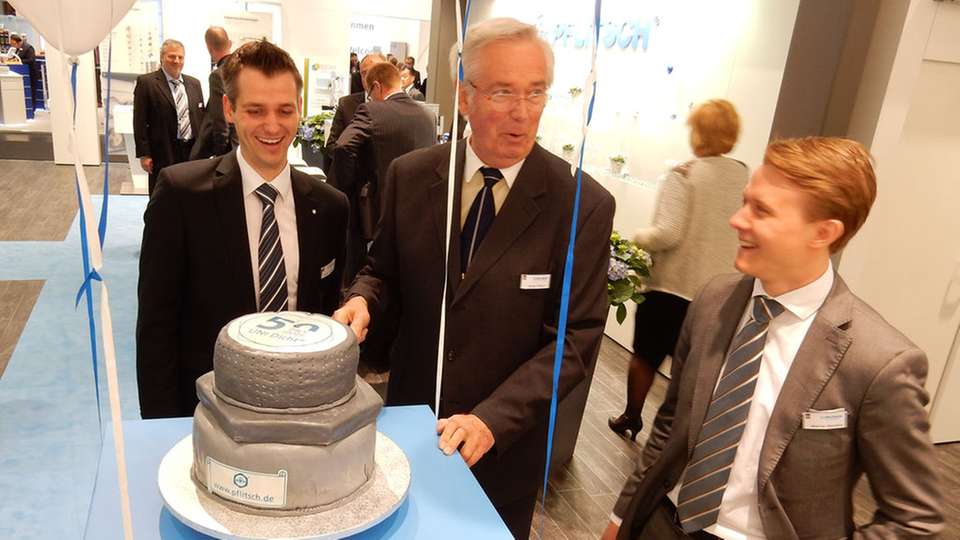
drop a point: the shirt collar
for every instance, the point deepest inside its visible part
(252, 179)
(169, 78)
(395, 92)
(472, 164)
(806, 300)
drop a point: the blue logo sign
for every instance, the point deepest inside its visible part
(628, 34)
(240, 480)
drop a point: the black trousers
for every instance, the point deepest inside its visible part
(663, 524)
(518, 516)
(181, 153)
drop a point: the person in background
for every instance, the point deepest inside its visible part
(393, 60)
(356, 82)
(216, 137)
(785, 387)
(409, 61)
(509, 231)
(167, 112)
(407, 84)
(28, 57)
(690, 242)
(346, 106)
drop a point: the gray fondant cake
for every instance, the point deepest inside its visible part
(284, 425)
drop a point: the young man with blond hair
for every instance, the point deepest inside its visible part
(785, 387)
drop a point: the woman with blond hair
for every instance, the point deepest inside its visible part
(690, 241)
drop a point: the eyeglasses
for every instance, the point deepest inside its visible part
(504, 100)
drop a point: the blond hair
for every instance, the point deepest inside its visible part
(714, 128)
(836, 174)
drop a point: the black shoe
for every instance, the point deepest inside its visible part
(624, 423)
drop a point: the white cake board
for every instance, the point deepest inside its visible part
(200, 511)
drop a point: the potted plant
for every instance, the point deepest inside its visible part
(628, 266)
(575, 91)
(568, 152)
(616, 164)
(312, 134)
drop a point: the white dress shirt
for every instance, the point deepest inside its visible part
(473, 182)
(173, 90)
(739, 517)
(286, 215)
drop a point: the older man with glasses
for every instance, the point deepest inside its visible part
(510, 228)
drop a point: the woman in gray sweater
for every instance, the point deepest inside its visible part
(690, 241)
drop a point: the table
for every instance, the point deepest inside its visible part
(444, 501)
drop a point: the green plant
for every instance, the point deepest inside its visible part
(313, 131)
(629, 265)
(568, 148)
(575, 91)
(618, 159)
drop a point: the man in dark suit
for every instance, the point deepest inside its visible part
(346, 107)
(513, 205)
(216, 137)
(409, 61)
(167, 111)
(200, 263)
(785, 387)
(28, 56)
(406, 82)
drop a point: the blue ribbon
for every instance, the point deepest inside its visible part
(567, 279)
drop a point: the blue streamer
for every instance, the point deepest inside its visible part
(102, 228)
(567, 279)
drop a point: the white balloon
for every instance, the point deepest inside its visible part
(73, 26)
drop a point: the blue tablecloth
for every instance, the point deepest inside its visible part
(444, 501)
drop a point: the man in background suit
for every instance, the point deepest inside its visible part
(28, 56)
(406, 83)
(346, 106)
(513, 204)
(167, 111)
(200, 263)
(785, 387)
(409, 61)
(216, 137)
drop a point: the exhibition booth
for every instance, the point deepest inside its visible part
(655, 60)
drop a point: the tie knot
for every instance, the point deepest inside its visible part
(491, 176)
(176, 82)
(765, 309)
(267, 193)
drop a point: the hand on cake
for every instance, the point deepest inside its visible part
(354, 314)
(468, 430)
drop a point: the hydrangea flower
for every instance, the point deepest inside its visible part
(617, 270)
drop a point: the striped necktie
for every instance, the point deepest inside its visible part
(706, 477)
(184, 133)
(479, 217)
(273, 273)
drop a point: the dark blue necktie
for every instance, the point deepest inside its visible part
(479, 218)
(273, 272)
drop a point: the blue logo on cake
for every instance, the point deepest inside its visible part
(288, 330)
(240, 480)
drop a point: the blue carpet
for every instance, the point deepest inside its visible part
(49, 427)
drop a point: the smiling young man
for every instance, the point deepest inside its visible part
(167, 112)
(511, 225)
(785, 387)
(232, 235)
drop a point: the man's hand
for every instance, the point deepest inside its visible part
(355, 315)
(468, 429)
(610, 533)
(147, 163)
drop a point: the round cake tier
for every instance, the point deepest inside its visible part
(285, 360)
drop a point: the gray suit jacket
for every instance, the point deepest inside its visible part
(851, 358)
(500, 338)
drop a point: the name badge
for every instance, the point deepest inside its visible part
(328, 269)
(534, 281)
(832, 419)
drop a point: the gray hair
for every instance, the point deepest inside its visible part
(167, 43)
(492, 30)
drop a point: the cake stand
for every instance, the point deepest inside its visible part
(203, 512)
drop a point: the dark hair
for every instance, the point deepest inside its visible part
(15, 37)
(262, 56)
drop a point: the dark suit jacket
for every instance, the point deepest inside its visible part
(380, 132)
(850, 358)
(346, 107)
(415, 93)
(500, 339)
(155, 116)
(216, 136)
(195, 271)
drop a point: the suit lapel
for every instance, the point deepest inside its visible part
(438, 202)
(728, 316)
(816, 361)
(228, 194)
(165, 88)
(307, 232)
(519, 210)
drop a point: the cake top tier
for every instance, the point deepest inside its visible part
(289, 360)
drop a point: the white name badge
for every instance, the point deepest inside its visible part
(248, 487)
(534, 281)
(832, 419)
(328, 269)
